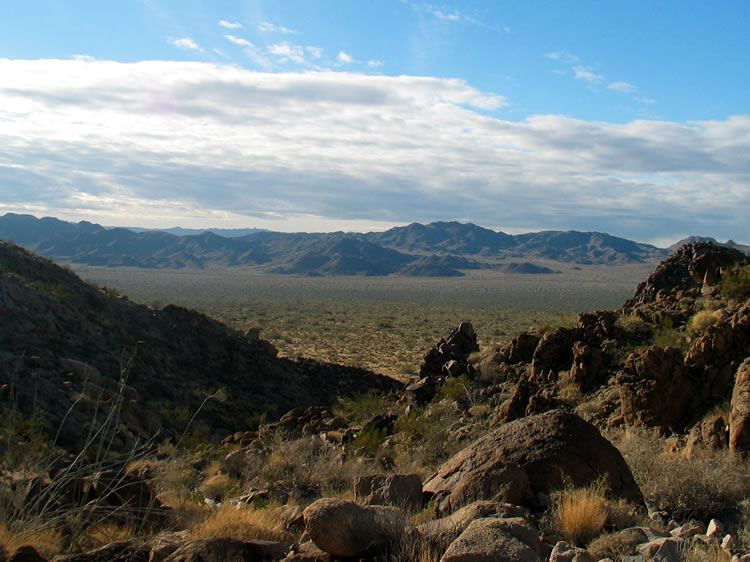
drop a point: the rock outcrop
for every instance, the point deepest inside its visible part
(450, 356)
(534, 454)
(739, 419)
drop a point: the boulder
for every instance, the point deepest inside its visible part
(539, 453)
(399, 490)
(588, 364)
(554, 353)
(421, 391)
(521, 349)
(443, 531)
(27, 554)
(346, 529)
(655, 388)
(492, 539)
(739, 418)
(564, 552)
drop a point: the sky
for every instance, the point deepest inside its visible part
(631, 118)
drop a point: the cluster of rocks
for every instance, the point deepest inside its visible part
(612, 362)
(448, 358)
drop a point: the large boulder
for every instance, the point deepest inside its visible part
(655, 388)
(346, 529)
(539, 453)
(399, 490)
(739, 418)
(495, 540)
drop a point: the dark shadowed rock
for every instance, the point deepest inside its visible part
(27, 554)
(655, 388)
(534, 454)
(739, 419)
(399, 490)
(449, 356)
(226, 549)
(114, 552)
(554, 353)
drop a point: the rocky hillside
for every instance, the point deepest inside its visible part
(438, 249)
(622, 437)
(68, 350)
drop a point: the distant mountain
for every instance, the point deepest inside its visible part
(440, 249)
(729, 244)
(179, 231)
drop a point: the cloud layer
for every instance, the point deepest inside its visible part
(150, 142)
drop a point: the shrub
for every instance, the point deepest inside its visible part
(699, 487)
(580, 514)
(361, 407)
(735, 283)
(702, 320)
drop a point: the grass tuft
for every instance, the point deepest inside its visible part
(580, 514)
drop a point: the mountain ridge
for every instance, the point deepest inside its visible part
(443, 249)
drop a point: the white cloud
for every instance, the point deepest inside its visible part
(315, 52)
(186, 43)
(567, 58)
(168, 139)
(230, 24)
(583, 73)
(344, 57)
(271, 28)
(239, 41)
(288, 52)
(623, 87)
(374, 63)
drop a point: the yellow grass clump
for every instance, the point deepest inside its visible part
(580, 513)
(48, 542)
(241, 523)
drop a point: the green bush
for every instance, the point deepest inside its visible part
(361, 407)
(735, 283)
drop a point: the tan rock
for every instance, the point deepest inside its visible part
(492, 539)
(346, 529)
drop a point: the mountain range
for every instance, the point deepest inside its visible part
(435, 249)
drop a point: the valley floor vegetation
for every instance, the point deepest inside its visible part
(383, 324)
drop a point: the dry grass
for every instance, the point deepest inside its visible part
(701, 552)
(105, 533)
(700, 486)
(241, 522)
(48, 542)
(580, 514)
(701, 321)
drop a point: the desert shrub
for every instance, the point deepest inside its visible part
(361, 407)
(370, 439)
(735, 283)
(632, 324)
(700, 321)
(617, 545)
(244, 522)
(455, 388)
(580, 514)
(666, 334)
(698, 551)
(699, 487)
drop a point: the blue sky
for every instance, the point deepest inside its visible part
(625, 117)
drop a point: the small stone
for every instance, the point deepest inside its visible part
(715, 528)
(728, 543)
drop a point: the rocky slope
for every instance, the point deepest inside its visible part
(494, 440)
(69, 350)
